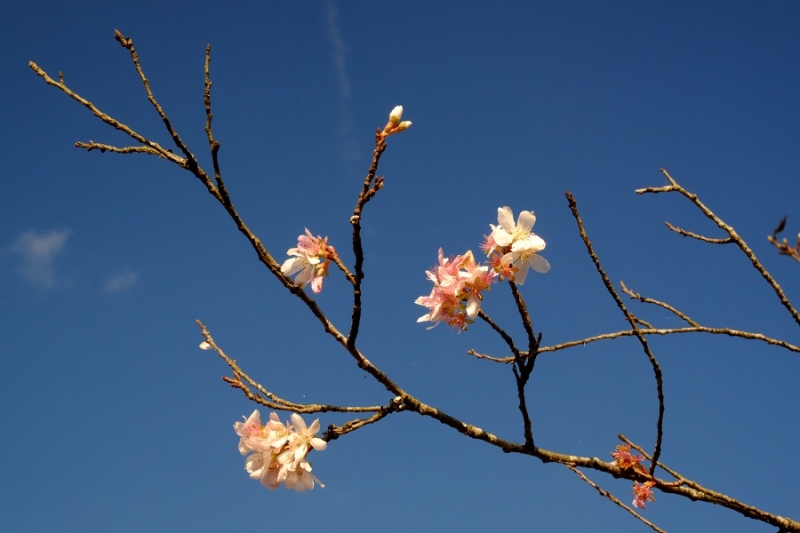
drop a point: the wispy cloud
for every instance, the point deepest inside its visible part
(37, 255)
(121, 282)
(350, 151)
(339, 50)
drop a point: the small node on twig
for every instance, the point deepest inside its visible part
(126, 42)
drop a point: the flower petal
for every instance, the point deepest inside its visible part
(505, 217)
(519, 277)
(526, 220)
(540, 264)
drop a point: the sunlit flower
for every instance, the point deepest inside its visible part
(519, 244)
(458, 284)
(310, 261)
(277, 451)
(625, 459)
(643, 493)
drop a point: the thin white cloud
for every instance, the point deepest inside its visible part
(37, 255)
(339, 51)
(350, 151)
(121, 282)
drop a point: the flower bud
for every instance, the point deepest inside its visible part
(396, 115)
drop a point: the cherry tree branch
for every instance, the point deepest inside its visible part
(614, 499)
(630, 333)
(783, 245)
(402, 400)
(656, 367)
(370, 187)
(666, 306)
(734, 237)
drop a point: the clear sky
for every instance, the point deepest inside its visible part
(114, 420)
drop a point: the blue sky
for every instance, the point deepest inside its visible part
(115, 421)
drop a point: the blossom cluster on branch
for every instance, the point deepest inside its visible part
(277, 451)
(626, 460)
(459, 282)
(309, 260)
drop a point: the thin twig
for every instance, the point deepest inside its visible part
(703, 238)
(656, 367)
(371, 186)
(614, 499)
(630, 333)
(500, 331)
(637, 296)
(674, 187)
(163, 152)
(213, 144)
(275, 401)
(127, 43)
(334, 432)
(91, 145)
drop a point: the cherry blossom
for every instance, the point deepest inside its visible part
(625, 459)
(518, 243)
(458, 285)
(277, 451)
(310, 261)
(642, 494)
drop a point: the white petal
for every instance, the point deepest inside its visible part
(519, 277)
(526, 220)
(205, 346)
(540, 264)
(298, 423)
(505, 217)
(291, 265)
(305, 276)
(531, 243)
(501, 237)
(473, 306)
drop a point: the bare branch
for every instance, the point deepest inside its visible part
(91, 145)
(656, 367)
(735, 238)
(127, 43)
(371, 186)
(505, 336)
(696, 236)
(666, 306)
(163, 152)
(242, 381)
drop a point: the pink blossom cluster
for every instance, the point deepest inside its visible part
(310, 261)
(277, 451)
(459, 282)
(643, 493)
(625, 459)
(457, 286)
